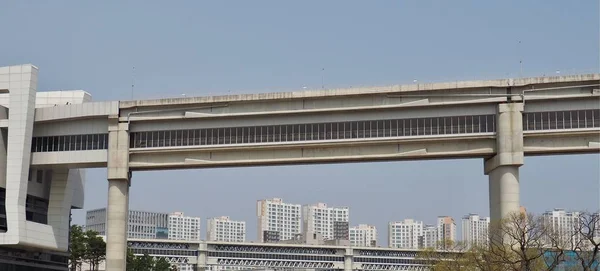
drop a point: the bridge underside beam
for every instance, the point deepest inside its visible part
(380, 150)
(564, 142)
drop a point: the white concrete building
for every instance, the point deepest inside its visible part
(405, 234)
(430, 236)
(319, 218)
(446, 228)
(35, 203)
(140, 224)
(441, 235)
(278, 218)
(475, 229)
(225, 230)
(562, 226)
(183, 227)
(363, 236)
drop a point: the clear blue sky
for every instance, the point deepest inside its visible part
(218, 47)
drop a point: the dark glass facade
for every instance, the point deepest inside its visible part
(315, 131)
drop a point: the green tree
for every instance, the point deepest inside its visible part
(162, 264)
(144, 263)
(95, 249)
(77, 247)
(131, 261)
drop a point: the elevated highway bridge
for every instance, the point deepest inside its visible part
(499, 121)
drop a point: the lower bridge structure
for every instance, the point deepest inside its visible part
(209, 255)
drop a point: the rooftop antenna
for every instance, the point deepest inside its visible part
(322, 78)
(132, 81)
(520, 59)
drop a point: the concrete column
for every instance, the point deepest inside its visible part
(503, 168)
(118, 195)
(348, 259)
(504, 191)
(201, 261)
(116, 219)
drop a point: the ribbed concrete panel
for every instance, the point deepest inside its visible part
(22, 84)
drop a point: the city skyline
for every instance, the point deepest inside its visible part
(496, 113)
(204, 53)
(472, 227)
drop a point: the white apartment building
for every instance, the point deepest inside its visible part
(319, 218)
(475, 229)
(563, 225)
(225, 230)
(140, 224)
(184, 227)
(405, 234)
(441, 235)
(446, 228)
(430, 236)
(279, 218)
(363, 236)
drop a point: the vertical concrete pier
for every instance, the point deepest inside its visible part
(349, 259)
(118, 195)
(503, 168)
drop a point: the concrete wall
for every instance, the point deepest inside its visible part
(77, 111)
(72, 127)
(561, 105)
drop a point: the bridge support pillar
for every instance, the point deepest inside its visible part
(118, 195)
(503, 168)
(349, 259)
